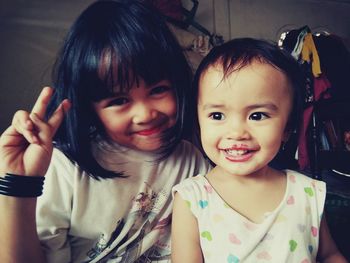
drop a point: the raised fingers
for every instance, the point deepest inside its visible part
(41, 103)
(22, 124)
(57, 117)
(33, 126)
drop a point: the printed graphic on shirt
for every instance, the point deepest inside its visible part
(143, 228)
(102, 243)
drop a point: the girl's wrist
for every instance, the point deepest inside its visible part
(21, 185)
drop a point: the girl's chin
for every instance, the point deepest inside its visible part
(149, 146)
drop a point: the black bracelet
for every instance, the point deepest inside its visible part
(21, 186)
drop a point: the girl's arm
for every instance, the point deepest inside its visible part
(185, 245)
(328, 251)
(19, 239)
(25, 149)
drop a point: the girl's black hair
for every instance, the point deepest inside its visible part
(238, 53)
(137, 44)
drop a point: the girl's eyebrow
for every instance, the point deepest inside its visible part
(267, 105)
(118, 94)
(213, 106)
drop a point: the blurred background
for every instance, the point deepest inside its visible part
(32, 31)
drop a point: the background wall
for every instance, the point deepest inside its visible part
(268, 18)
(32, 31)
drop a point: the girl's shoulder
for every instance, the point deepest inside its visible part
(59, 158)
(304, 181)
(62, 167)
(196, 192)
(192, 186)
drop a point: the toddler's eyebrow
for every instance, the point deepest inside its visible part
(213, 106)
(268, 105)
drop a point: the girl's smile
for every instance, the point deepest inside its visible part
(243, 116)
(238, 154)
(138, 118)
(149, 132)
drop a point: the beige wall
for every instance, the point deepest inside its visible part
(268, 18)
(31, 32)
(30, 35)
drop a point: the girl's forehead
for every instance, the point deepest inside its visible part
(220, 72)
(258, 78)
(122, 75)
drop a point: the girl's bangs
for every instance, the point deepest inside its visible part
(110, 73)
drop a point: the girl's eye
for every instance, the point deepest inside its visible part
(217, 116)
(118, 102)
(258, 116)
(159, 89)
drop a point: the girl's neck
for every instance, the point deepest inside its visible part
(242, 192)
(262, 176)
(109, 147)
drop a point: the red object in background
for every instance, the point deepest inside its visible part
(170, 8)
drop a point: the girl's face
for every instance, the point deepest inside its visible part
(243, 117)
(137, 119)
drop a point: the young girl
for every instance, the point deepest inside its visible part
(122, 83)
(249, 100)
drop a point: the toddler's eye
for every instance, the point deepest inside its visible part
(217, 116)
(258, 116)
(118, 101)
(159, 89)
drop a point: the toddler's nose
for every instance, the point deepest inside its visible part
(236, 130)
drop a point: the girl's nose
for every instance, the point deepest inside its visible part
(143, 113)
(237, 130)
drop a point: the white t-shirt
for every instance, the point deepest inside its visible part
(81, 219)
(290, 233)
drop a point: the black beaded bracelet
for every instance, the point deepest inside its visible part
(21, 186)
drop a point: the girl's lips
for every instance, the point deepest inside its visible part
(239, 158)
(238, 155)
(149, 131)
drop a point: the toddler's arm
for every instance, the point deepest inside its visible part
(328, 251)
(185, 245)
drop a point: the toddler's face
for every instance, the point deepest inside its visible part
(136, 119)
(243, 117)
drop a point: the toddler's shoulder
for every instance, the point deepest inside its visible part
(305, 181)
(192, 191)
(191, 184)
(191, 188)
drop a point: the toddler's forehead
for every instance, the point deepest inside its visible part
(263, 73)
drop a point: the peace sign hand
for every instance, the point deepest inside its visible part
(26, 146)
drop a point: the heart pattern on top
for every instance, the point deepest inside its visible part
(309, 191)
(207, 235)
(203, 203)
(232, 259)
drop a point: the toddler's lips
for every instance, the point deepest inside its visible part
(239, 158)
(149, 131)
(238, 154)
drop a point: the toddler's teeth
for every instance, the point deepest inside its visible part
(236, 152)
